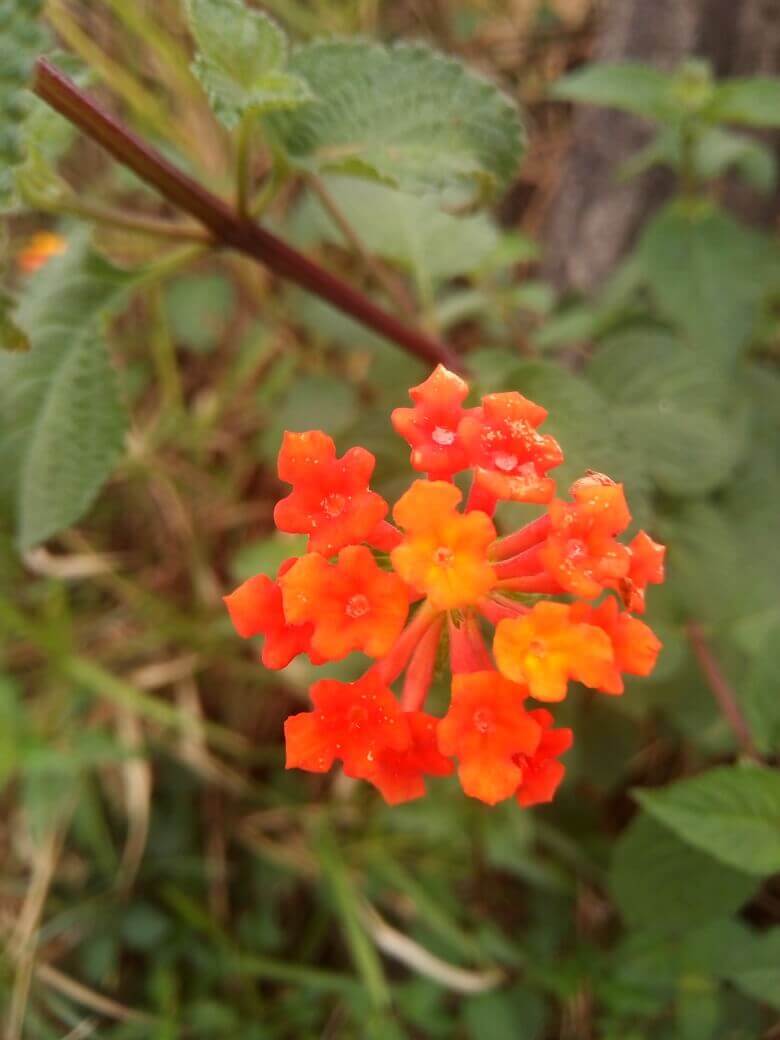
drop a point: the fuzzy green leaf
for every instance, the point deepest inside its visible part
(749, 102)
(242, 60)
(404, 115)
(21, 40)
(732, 813)
(663, 884)
(684, 417)
(710, 276)
(407, 230)
(632, 87)
(751, 962)
(61, 420)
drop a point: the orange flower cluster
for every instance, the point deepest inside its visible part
(560, 594)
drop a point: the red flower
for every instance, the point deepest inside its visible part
(581, 552)
(431, 427)
(400, 774)
(646, 568)
(635, 646)
(541, 772)
(330, 500)
(353, 722)
(255, 609)
(448, 556)
(351, 604)
(486, 727)
(511, 457)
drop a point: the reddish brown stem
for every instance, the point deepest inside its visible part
(721, 690)
(226, 226)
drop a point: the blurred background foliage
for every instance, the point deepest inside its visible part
(162, 875)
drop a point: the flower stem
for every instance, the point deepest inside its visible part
(419, 674)
(132, 222)
(225, 225)
(391, 666)
(468, 652)
(523, 539)
(526, 562)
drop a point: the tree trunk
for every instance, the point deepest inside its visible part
(595, 218)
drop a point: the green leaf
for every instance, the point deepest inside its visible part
(632, 87)
(709, 275)
(320, 402)
(730, 812)
(761, 694)
(242, 60)
(718, 151)
(709, 551)
(752, 964)
(684, 417)
(513, 1014)
(21, 40)
(663, 884)
(12, 338)
(61, 421)
(412, 232)
(199, 308)
(404, 115)
(750, 102)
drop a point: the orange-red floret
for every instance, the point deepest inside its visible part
(352, 722)
(646, 568)
(550, 645)
(581, 551)
(486, 727)
(541, 771)
(431, 426)
(330, 500)
(255, 609)
(511, 457)
(444, 552)
(351, 604)
(634, 644)
(400, 775)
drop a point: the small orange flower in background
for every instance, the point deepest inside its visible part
(557, 592)
(38, 250)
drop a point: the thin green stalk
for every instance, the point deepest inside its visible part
(143, 103)
(164, 355)
(102, 683)
(366, 959)
(126, 222)
(174, 59)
